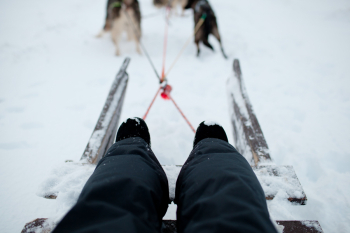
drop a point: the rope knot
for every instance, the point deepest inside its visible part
(166, 92)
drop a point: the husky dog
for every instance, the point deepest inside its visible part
(210, 26)
(123, 15)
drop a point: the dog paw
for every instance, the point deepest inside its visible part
(100, 34)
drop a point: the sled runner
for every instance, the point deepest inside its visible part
(103, 135)
(250, 142)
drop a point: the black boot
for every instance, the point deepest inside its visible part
(134, 127)
(209, 130)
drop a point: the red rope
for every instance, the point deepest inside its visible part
(183, 115)
(166, 88)
(165, 44)
(144, 117)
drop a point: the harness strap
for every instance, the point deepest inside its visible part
(198, 26)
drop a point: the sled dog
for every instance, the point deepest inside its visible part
(123, 15)
(201, 8)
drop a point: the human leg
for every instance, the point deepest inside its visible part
(217, 190)
(128, 191)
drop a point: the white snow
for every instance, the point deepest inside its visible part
(285, 182)
(172, 173)
(66, 182)
(55, 77)
(137, 120)
(312, 224)
(279, 228)
(211, 123)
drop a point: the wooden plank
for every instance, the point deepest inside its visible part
(169, 226)
(103, 135)
(248, 136)
(41, 225)
(300, 226)
(273, 179)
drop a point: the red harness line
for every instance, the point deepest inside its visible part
(183, 115)
(166, 88)
(149, 108)
(165, 43)
(166, 95)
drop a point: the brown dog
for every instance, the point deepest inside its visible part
(123, 15)
(202, 8)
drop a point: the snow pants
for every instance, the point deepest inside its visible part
(216, 191)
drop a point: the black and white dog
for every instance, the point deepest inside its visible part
(123, 15)
(210, 26)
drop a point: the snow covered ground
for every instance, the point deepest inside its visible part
(55, 76)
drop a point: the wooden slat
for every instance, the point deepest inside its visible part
(103, 135)
(272, 178)
(300, 226)
(169, 226)
(248, 136)
(38, 225)
(41, 225)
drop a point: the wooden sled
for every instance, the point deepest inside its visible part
(249, 140)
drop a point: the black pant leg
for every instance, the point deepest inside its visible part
(128, 192)
(217, 191)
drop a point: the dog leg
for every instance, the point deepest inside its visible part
(130, 33)
(138, 50)
(198, 50)
(206, 43)
(101, 33)
(107, 27)
(174, 7)
(137, 41)
(215, 32)
(223, 52)
(183, 5)
(134, 33)
(117, 50)
(197, 39)
(116, 33)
